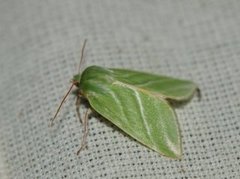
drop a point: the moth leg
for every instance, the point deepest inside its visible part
(85, 132)
(78, 103)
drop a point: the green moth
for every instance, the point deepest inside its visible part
(137, 103)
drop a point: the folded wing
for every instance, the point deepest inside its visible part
(166, 87)
(147, 118)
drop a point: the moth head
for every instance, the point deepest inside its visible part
(76, 80)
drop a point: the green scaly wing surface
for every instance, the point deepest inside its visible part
(136, 102)
(145, 117)
(166, 87)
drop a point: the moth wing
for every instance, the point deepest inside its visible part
(167, 87)
(147, 118)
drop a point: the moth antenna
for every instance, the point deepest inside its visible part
(82, 55)
(59, 107)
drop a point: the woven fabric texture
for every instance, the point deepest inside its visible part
(40, 44)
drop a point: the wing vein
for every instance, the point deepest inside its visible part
(143, 117)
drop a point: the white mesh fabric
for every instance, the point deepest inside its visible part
(40, 45)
